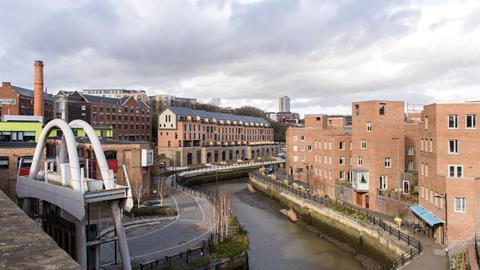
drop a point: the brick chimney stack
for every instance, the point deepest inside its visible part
(38, 89)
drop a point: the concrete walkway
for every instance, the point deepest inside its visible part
(432, 257)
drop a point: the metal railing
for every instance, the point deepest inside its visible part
(414, 244)
(220, 168)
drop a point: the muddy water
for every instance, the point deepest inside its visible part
(275, 242)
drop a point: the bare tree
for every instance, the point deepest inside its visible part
(220, 217)
(139, 191)
(162, 190)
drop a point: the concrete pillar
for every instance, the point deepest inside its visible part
(27, 206)
(81, 242)
(122, 237)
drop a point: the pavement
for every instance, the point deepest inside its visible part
(169, 237)
(432, 257)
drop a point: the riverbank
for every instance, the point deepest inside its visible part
(362, 238)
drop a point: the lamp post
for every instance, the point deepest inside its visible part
(445, 230)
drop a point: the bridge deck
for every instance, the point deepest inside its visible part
(24, 245)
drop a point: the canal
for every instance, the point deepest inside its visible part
(277, 243)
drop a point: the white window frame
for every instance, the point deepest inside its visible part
(342, 160)
(363, 144)
(302, 138)
(455, 121)
(342, 175)
(403, 186)
(474, 121)
(383, 182)
(341, 145)
(455, 171)
(368, 126)
(359, 161)
(388, 162)
(295, 158)
(455, 147)
(462, 208)
(295, 148)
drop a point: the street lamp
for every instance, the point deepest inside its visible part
(445, 231)
(308, 179)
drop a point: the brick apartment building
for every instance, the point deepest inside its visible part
(449, 170)
(129, 118)
(196, 137)
(320, 153)
(432, 152)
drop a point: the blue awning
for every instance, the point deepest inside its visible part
(426, 215)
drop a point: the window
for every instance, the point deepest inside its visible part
(342, 175)
(363, 144)
(369, 126)
(84, 107)
(295, 148)
(471, 121)
(341, 145)
(350, 145)
(309, 147)
(357, 109)
(455, 171)
(426, 122)
(411, 165)
(426, 169)
(381, 111)
(411, 151)
(422, 169)
(453, 121)
(329, 145)
(3, 162)
(388, 162)
(302, 138)
(406, 187)
(342, 160)
(430, 145)
(383, 182)
(295, 158)
(453, 146)
(330, 160)
(295, 138)
(359, 161)
(460, 205)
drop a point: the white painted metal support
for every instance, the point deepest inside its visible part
(122, 238)
(98, 150)
(45, 173)
(87, 166)
(129, 202)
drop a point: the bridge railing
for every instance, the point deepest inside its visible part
(414, 244)
(231, 166)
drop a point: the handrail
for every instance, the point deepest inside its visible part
(416, 245)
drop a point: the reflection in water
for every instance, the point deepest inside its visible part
(277, 243)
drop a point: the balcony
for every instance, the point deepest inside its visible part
(360, 180)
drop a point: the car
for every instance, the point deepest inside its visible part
(268, 170)
(152, 203)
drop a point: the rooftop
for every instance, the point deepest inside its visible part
(216, 115)
(29, 93)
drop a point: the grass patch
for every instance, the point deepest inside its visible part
(154, 211)
(232, 247)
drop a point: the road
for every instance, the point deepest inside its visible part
(185, 231)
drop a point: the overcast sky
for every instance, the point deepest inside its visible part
(324, 54)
